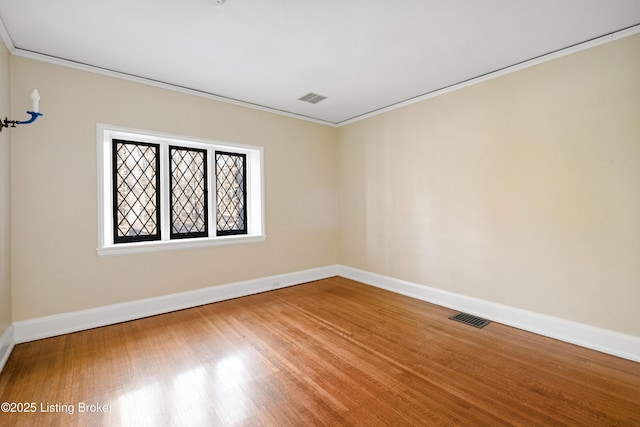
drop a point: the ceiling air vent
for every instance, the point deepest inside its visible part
(312, 98)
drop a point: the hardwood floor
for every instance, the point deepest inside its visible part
(331, 352)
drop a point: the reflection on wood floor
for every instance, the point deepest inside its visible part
(331, 352)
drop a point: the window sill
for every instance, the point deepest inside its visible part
(169, 245)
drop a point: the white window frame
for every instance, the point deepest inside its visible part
(254, 181)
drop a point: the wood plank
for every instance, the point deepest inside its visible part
(331, 352)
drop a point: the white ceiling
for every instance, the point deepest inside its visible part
(363, 55)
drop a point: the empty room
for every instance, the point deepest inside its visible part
(270, 213)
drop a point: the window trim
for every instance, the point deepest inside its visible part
(255, 205)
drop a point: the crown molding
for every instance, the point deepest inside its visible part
(501, 72)
(4, 35)
(160, 84)
(617, 35)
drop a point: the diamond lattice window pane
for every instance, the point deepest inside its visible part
(188, 192)
(136, 196)
(231, 193)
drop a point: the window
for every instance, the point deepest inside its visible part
(153, 192)
(188, 189)
(232, 193)
(136, 195)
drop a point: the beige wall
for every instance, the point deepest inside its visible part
(55, 266)
(523, 190)
(5, 195)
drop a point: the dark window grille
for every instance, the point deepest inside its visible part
(231, 190)
(136, 191)
(188, 184)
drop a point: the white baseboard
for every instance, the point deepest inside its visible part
(603, 340)
(49, 326)
(6, 346)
